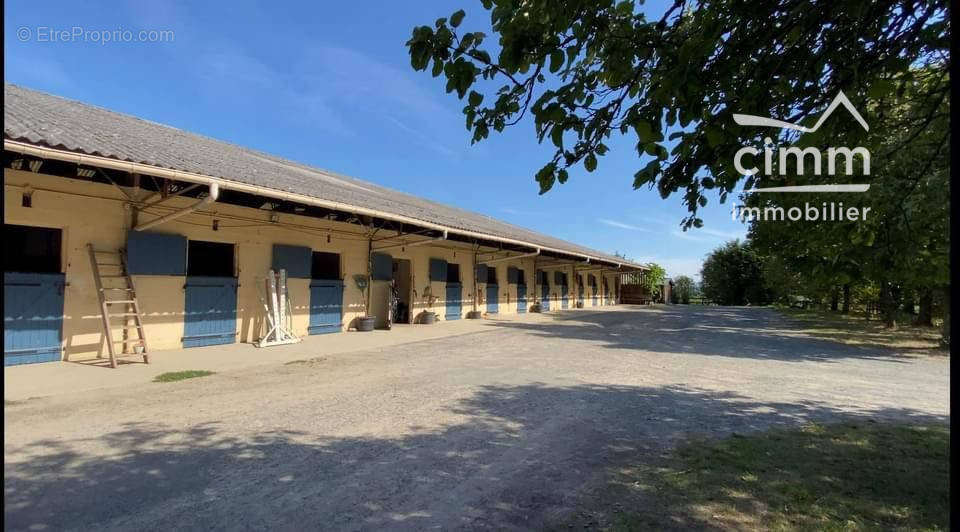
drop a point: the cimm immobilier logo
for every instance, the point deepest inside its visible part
(828, 211)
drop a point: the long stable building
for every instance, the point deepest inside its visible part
(194, 225)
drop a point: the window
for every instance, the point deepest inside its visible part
(453, 273)
(544, 278)
(209, 259)
(491, 275)
(521, 277)
(294, 259)
(438, 270)
(31, 249)
(150, 253)
(325, 266)
(381, 267)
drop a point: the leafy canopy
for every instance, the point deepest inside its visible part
(653, 278)
(589, 69)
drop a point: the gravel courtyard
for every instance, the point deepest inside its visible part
(509, 428)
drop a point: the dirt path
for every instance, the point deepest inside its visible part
(500, 429)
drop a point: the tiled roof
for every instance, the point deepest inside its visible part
(54, 122)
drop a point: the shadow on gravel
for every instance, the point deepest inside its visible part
(744, 332)
(520, 459)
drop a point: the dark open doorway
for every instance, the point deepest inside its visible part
(209, 259)
(31, 249)
(403, 284)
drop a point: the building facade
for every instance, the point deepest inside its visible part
(201, 223)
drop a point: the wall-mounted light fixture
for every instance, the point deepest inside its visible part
(274, 217)
(216, 225)
(85, 172)
(328, 238)
(27, 200)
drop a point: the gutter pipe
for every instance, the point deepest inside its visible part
(210, 198)
(191, 177)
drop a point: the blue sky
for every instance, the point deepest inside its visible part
(330, 84)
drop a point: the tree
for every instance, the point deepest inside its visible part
(653, 279)
(683, 288)
(733, 275)
(903, 245)
(589, 69)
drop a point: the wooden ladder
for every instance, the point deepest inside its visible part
(125, 306)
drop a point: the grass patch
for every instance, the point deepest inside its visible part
(857, 330)
(838, 477)
(182, 375)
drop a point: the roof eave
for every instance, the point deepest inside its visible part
(82, 158)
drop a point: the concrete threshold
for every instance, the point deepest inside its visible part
(61, 378)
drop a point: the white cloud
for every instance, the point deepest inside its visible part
(621, 225)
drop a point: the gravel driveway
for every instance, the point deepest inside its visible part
(502, 429)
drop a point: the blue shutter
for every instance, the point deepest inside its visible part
(156, 253)
(438, 270)
(295, 259)
(481, 273)
(382, 268)
(512, 275)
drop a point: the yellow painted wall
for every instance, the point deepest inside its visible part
(98, 213)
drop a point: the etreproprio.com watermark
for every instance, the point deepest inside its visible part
(73, 34)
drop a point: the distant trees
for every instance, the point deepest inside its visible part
(653, 280)
(899, 254)
(733, 275)
(683, 289)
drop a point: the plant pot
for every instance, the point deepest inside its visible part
(473, 315)
(579, 304)
(365, 323)
(534, 308)
(428, 318)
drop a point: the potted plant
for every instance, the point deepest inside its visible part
(475, 314)
(428, 316)
(365, 322)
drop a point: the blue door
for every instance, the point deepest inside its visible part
(594, 296)
(564, 300)
(454, 302)
(493, 292)
(211, 311)
(580, 294)
(32, 317)
(521, 298)
(326, 306)
(544, 297)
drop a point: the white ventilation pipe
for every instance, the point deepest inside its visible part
(504, 259)
(211, 197)
(411, 244)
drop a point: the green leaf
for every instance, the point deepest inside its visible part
(475, 98)
(644, 130)
(881, 88)
(457, 18)
(590, 162)
(546, 177)
(556, 135)
(556, 60)
(715, 136)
